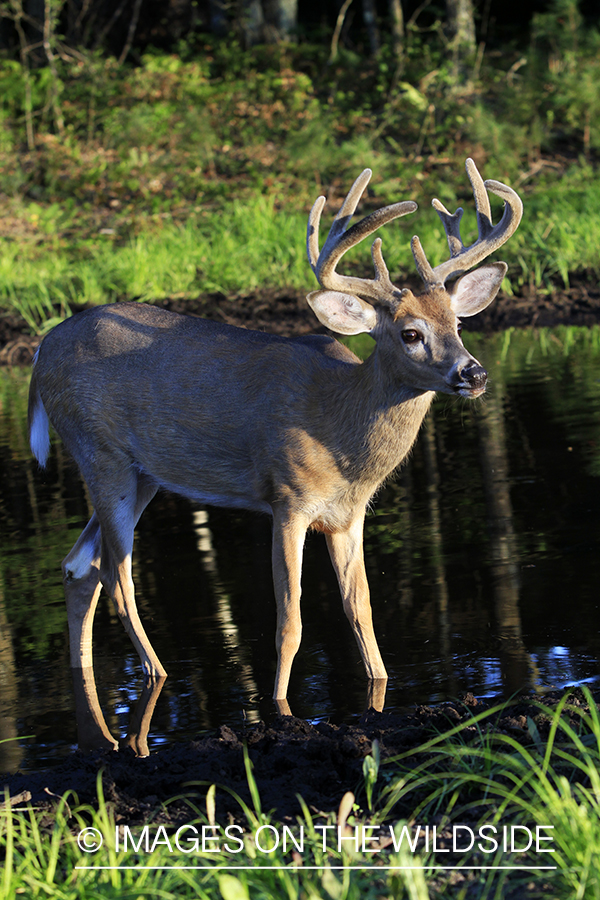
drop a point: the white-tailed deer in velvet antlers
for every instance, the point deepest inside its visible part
(295, 427)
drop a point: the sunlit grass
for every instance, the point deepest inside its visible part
(552, 782)
(470, 773)
(42, 857)
(250, 247)
(257, 243)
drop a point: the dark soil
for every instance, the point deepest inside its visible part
(289, 756)
(286, 312)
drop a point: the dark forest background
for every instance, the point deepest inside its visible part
(126, 28)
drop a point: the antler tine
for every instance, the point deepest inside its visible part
(339, 240)
(424, 269)
(348, 207)
(490, 237)
(339, 224)
(451, 223)
(312, 232)
(482, 201)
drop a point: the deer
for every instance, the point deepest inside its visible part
(295, 427)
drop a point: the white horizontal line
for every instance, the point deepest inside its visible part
(292, 868)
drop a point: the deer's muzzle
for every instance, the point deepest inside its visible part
(471, 380)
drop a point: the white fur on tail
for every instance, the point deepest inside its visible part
(39, 433)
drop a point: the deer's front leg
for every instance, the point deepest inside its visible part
(288, 544)
(346, 552)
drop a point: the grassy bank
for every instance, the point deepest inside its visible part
(470, 778)
(253, 245)
(194, 172)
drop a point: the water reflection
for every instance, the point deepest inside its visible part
(482, 559)
(224, 617)
(516, 665)
(92, 731)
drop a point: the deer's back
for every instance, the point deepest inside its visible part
(222, 414)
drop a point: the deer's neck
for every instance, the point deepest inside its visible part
(377, 419)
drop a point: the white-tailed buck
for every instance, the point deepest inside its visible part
(297, 428)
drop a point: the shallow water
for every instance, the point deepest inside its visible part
(482, 559)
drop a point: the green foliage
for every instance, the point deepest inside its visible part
(42, 859)
(223, 94)
(258, 242)
(547, 101)
(553, 782)
(125, 162)
(371, 765)
(248, 249)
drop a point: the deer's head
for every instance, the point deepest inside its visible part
(418, 334)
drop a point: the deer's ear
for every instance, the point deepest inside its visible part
(342, 313)
(476, 290)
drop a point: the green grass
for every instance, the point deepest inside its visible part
(195, 173)
(42, 857)
(255, 243)
(471, 774)
(492, 778)
(250, 247)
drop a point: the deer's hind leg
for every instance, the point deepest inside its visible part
(102, 557)
(81, 579)
(118, 511)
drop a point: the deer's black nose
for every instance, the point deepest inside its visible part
(475, 375)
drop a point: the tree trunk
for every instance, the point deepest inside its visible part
(370, 20)
(268, 21)
(287, 17)
(397, 17)
(461, 32)
(217, 16)
(252, 22)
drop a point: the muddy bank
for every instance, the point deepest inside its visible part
(286, 312)
(290, 756)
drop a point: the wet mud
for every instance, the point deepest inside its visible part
(290, 757)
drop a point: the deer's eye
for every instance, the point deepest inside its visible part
(410, 336)
(459, 328)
